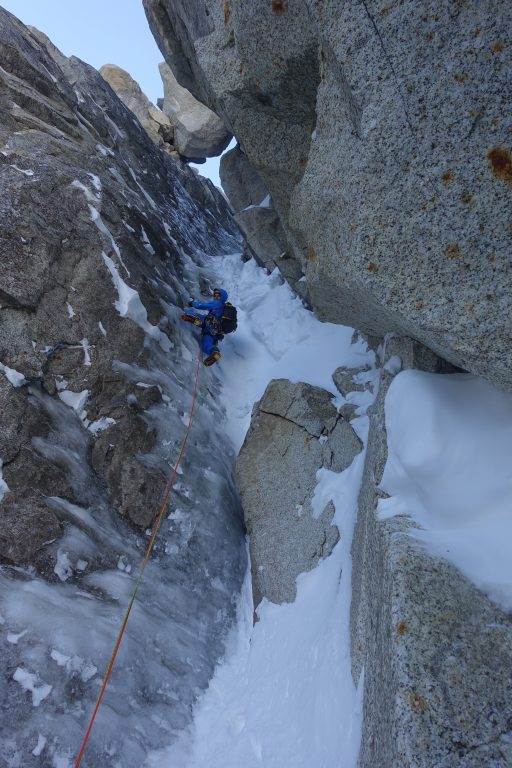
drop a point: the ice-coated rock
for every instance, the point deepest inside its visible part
(103, 238)
(198, 132)
(382, 133)
(295, 430)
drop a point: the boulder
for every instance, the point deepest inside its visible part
(381, 136)
(155, 122)
(198, 132)
(295, 430)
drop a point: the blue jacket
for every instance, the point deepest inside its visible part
(216, 306)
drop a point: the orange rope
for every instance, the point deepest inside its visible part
(142, 569)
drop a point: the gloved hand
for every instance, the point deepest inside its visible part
(191, 302)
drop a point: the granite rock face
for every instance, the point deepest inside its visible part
(436, 652)
(295, 430)
(382, 132)
(103, 237)
(155, 122)
(198, 132)
(240, 181)
(257, 218)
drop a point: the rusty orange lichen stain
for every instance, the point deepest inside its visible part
(279, 6)
(417, 702)
(372, 267)
(452, 251)
(311, 253)
(497, 47)
(401, 628)
(447, 176)
(501, 163)
(227, 12)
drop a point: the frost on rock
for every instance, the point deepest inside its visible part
(129, 305)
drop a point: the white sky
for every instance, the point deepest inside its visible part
(103, 32)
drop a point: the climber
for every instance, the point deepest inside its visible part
(211, 324)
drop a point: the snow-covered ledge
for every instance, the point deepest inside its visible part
(434, 648)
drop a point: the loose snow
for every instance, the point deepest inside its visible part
(449, 468)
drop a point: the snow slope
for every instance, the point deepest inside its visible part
(284, 696)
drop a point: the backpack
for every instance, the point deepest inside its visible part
(228, 321)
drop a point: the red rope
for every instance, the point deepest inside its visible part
(142, 569)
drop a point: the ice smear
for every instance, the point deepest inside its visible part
(75, 400)
(4, 488)
(41, 743)
(129, 305)
(14, 377)
(87, 356)
(98, 426)
(63, 568)
(26, 172)
(71, 311)
(74, 664)
(29, 682)
(449, 443)
(14, 639)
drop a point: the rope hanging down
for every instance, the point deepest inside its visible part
(142, 569)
